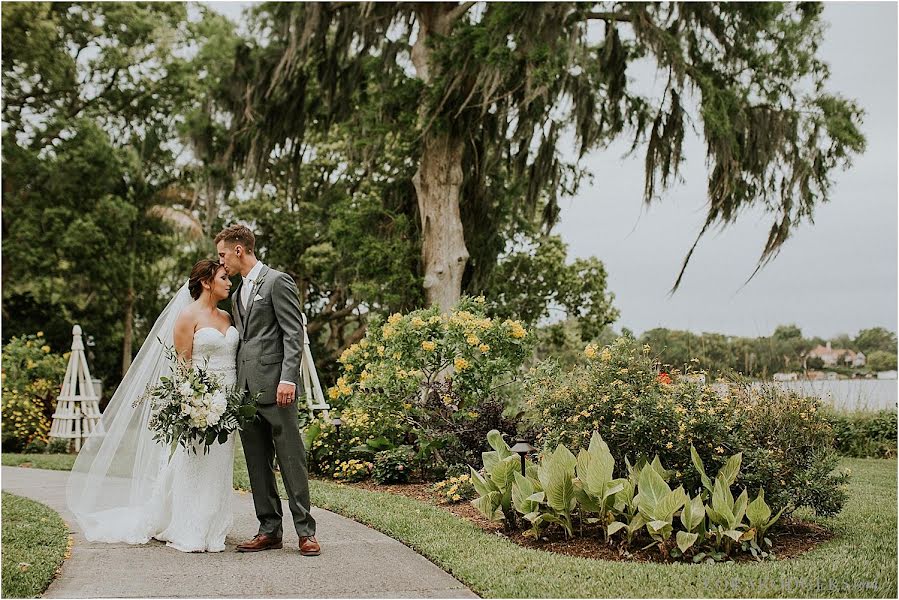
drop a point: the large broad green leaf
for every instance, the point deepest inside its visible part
(503, 473)
(697, 462)
(636, 523)
(556, 475)
(615, 527)
(496, 441)
(686, 540)
(490, 459)
(595, 466)
(731, 469)
(482, 486)
(490, 506)
(651, 489)
(657, 465)
(670, 503)
(722, 503)
(693, 513)
(522, 490)
(758, 512)
(740, 507)
(613, 487)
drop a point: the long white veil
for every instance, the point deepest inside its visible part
(116, 471)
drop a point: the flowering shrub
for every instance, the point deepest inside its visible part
(393, 466)
(864, 434)
(23, 422)
(32, 375)
(455, 489)
(327, 452)
(353, 470)
(619, 392)
(437, 372)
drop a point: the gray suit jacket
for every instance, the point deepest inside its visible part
(271, 335)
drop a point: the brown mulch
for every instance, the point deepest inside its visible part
(792, 538)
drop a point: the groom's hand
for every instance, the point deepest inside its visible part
(285, 394)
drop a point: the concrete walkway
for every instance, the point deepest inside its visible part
(355, 562)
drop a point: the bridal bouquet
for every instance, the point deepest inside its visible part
(192, 406)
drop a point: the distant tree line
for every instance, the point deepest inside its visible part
(785, 350)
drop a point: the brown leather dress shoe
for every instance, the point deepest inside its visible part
(260, 542)
(309, 546)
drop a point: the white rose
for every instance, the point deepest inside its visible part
(219, 400)
(213, 418)
(185, 389)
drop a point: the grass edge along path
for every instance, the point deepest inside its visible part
(859, 562)
(35, 543)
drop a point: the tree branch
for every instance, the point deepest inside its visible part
(457, 12)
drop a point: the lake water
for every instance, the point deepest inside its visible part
(851, 394)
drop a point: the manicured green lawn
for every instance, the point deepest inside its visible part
(34, 545)
(859, 562)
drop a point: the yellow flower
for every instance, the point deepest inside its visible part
(473, 340)
(669, 445)
(447, 400)
(517, 331)
(40, 334)
(333, 393)
(590, 351)
(605, 355)
(474, 415)
(435, 319)
(460, 363)
(46, 349)
(428, 345)
(363, 343)
(388, 331)
(457, 497)
(719, 449)
(484, 348)
(380, 350)
(394, 318)
(417, 322)
(397, 355)
(407, 405)
(480, 299)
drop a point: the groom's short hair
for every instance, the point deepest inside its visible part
(238, 234)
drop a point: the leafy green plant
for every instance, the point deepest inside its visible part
(393, 466)
(495, 487)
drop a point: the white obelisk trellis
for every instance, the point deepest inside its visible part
(78, 406)
(315, 399)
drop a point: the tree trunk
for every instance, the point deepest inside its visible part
(129, 331)
(438, 180)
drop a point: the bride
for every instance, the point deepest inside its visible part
(123, 486)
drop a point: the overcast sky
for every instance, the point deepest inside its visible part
(836, 276)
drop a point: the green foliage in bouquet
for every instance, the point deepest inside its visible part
(619, 391)
(192, 407)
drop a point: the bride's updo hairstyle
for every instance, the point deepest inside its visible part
(203, 272)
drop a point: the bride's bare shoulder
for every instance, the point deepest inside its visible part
(187, 317)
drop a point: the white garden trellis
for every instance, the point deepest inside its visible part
(78, 406)
(315, 399)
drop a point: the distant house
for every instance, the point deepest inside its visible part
(837, 356)
(786, 377)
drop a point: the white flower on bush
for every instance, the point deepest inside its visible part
(185, 389)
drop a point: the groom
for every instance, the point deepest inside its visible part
(266, 311)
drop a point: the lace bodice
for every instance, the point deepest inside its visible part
(217, 352)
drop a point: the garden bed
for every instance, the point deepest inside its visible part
(793, 538)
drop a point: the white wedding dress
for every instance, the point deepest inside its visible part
(187, 502)
(192, 504)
